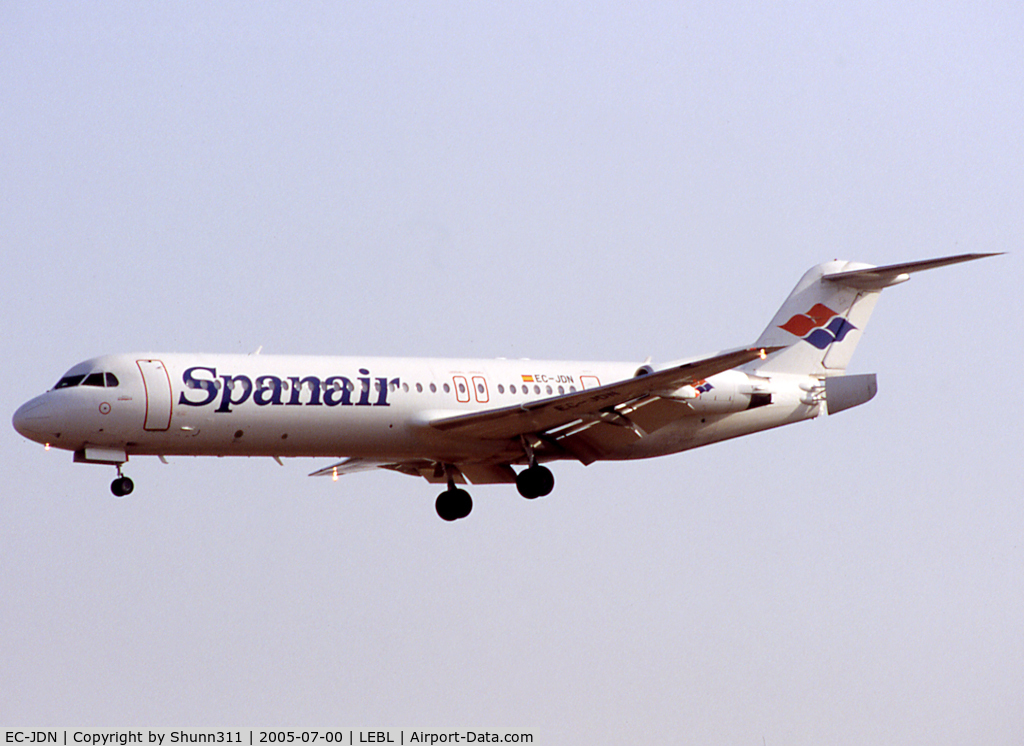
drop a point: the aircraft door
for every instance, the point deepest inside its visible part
(158, 394)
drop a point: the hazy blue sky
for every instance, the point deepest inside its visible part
(581, 181)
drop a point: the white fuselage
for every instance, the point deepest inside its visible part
(291, 406)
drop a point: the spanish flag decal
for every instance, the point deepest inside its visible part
(527, 379)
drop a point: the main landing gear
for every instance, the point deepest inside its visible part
(455, 503)
(535, 481)
(122, 486)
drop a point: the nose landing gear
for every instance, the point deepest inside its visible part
(122, 486)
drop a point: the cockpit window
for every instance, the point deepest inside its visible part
(100, 380)
(68, 381)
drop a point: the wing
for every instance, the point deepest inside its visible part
(558, 423)
(607, 401)
(349, 466)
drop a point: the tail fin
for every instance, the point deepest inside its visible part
(822, 320)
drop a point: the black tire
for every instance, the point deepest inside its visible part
(451, 505)
(534, 482)
(544, 480)
(122, 486)
(463, 503)
(446, 507)
(524, 483)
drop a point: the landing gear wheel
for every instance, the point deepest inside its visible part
(535, 481)
(453, 504)
(464, 503)
(122, 486)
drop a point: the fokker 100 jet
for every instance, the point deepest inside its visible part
(458, 420)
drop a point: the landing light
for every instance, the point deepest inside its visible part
(46, 447)
(763, 354)
(334, 474)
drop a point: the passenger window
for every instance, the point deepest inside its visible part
(501, 389)
(512, 388)
(433, 389)
(447, 388)
(93, 379)
(111, 380)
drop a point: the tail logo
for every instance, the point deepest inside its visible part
(821, 326)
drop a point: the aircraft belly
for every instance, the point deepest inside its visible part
(282, 431)
(305, 432)
(693, 432)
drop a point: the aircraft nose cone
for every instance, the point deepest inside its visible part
(32, 417)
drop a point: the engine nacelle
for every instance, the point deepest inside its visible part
(731, 391)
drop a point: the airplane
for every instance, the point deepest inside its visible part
(457, 420)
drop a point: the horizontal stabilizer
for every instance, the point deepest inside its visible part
(878, 278)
